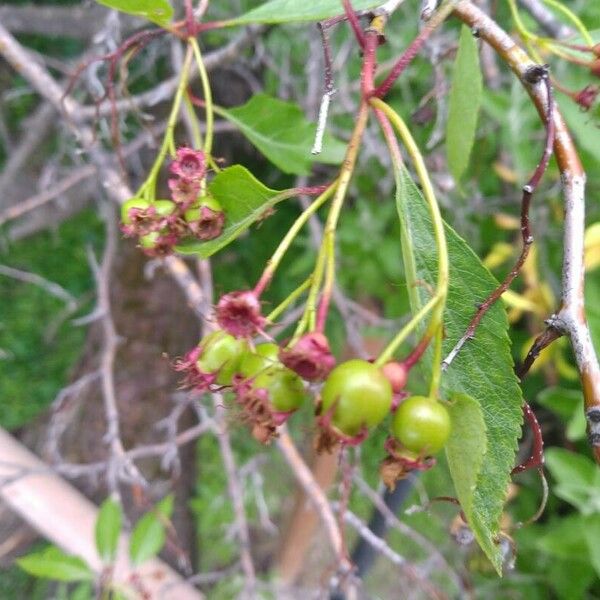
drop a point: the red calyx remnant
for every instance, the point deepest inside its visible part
(586, 97)
(184, 191)
(330, 436)
(400, 463)
(239, 313)
(189, 167)
(257, 411)
(209, 224)
(189, 164)
(194, 378)
(157, 244)
(310, 357)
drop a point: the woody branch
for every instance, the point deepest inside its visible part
(570, 318)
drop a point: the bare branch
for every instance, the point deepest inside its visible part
(316, 495)
(49, 286)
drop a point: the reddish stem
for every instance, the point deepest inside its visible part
(369, 64)
(409, 54)
(536, 460)
(327, 59)
(413, 358)
(354, 23)
(190, 23)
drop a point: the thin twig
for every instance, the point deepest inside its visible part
(318, 498)
(328, 92)
(528, 190)
(49, 286)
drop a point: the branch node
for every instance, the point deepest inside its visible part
(536, 73)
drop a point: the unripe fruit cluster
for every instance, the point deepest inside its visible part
(161, 224)
(269, 383)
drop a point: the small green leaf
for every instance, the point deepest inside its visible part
(287, 11)
(108, 529)
(157, 11)
(591, 534)
(244, 199)
(466, 448)
(484, 368)
(563, 539)
(592, 307)
(53, 563)
(281, 132)
(84, 591)
(463, 104)
(148, 536)
(567, 404)
(577, 479)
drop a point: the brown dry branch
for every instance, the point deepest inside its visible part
(315, 494)
(165, 90)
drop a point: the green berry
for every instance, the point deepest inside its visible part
(264, 356)
(421, 425)
(136, 203)
(286, 390)
(221, 354)
(360, 395)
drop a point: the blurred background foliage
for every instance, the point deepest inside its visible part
(558, 556)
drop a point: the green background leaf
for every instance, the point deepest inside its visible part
(568, 404)
(108, 529)
(484, 368)
(466, 448)
(287, 11)
(244, 200)
(463, 104)
(591, 534)
(156, 11)
(53, 563)
(577, 479)
(148, 536)
(281, 132)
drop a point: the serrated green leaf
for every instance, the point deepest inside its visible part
(484, 368)
(108, 529)
(281, 132)
(156, 11)
(288, 11)
(148, 536)
(244, 199)
(577, 479)
(463, 104)
(53, 563)
(466, 448)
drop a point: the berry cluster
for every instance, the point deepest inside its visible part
(269, 383)
(161, 224)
